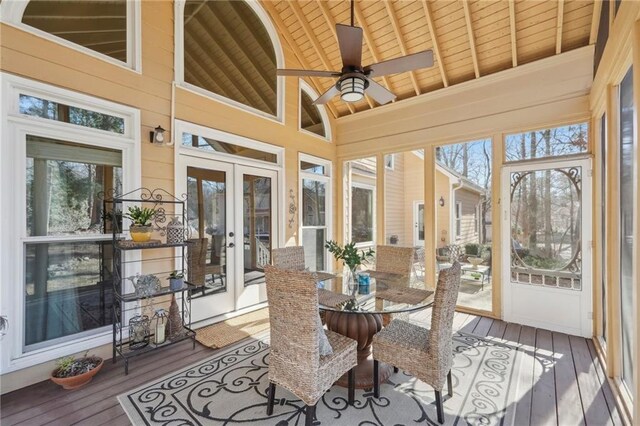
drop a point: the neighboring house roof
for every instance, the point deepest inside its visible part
(453, 175)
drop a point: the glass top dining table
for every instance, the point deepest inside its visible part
(385, 294)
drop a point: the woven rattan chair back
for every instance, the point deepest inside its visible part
(197, 261)
(291, 258)
(444, 305)
(293, 317)
(394, 260)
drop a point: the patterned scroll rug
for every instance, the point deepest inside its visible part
(230, 388)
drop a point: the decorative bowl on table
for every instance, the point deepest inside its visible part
(475, 261)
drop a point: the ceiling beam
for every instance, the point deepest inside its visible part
(434, 39)
(241, 10)
(208, 78)
(400, 38)
(317, 47)
(472, 41)
(282, 28)
(368, 39)
(331, 23)
(195, 12)
(512, 30)
(595, 21)
(559, 24)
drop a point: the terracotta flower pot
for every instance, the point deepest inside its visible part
(140, 234)
(76, 381)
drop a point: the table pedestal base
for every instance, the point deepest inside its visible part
(360, 327)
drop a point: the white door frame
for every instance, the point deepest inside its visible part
(416, 214)
(549, 300)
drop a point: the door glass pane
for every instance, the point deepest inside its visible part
(64, 182)
(626, 225)
(362, 203)
(206, 214)
(314, 252)
(546, 210)
(256, 224)
(420, 220)
(360, 191)
(559, 141)
(68, 289)
(313, 203)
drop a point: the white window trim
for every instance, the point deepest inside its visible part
(327, 179)
(306, 87)
(11, 12)
(374, 219)
(13, 236)
(277, 48)
(458, 219)
(391, 166)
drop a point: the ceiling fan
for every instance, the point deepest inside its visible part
(354, 79)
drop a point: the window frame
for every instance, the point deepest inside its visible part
(458, 219)
(277, 48)
(327, 179)
(322, 110)
(14, 238)
(12, 12)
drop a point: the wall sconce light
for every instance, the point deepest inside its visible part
(157, 136)
(441, 201)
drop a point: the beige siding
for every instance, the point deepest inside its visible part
(395, 182)
(443, 217)
(469, 200)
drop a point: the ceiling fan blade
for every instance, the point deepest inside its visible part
(307, 73)
(379, 93)
(350, 41)
(326, 96)
(405, 63)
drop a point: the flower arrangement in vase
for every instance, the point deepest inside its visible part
(350, 256)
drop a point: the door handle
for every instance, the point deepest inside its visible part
(231, 245)
(231, 234)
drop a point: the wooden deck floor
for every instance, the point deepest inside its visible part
(571, 390)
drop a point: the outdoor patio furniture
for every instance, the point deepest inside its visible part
(294, 361)
(291, 258)
(393, 260)
(426, 354)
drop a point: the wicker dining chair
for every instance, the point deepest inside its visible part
(394, 260)
(291, 258)
(294, 361)
(426, 354)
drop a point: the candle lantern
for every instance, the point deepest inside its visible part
(160, 320)
(139, 332)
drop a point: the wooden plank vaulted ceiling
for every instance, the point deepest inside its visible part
(469, 38)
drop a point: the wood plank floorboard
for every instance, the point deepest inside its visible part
(565, 384)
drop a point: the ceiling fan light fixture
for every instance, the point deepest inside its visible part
(352, 88)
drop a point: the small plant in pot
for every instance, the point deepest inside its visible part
(176, 280)
(71, 373)
(140, 228)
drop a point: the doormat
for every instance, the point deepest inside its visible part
(233, 330)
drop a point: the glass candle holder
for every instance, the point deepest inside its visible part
(139, 331)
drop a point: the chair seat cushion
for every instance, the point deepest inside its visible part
(403, 334)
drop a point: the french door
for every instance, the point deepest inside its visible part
(547, 229)
(232, 214)
(418, 223)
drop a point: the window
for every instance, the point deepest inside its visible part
(315, 213)
(219, 146)
(68, 283)
(313, 118)
(43, 108)
(105, 29)
(544, 143)
(229, 49)
(476, 222)
(360, 209)
(626, 225)
(389, 161)
(458, 219)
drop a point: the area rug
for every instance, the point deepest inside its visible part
(233, 330)
(230, 388)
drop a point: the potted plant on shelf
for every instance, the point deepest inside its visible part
(140, 228)
(350, 257)
(71, 373)
(176, 280)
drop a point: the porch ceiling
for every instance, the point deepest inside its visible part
(469, 38)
